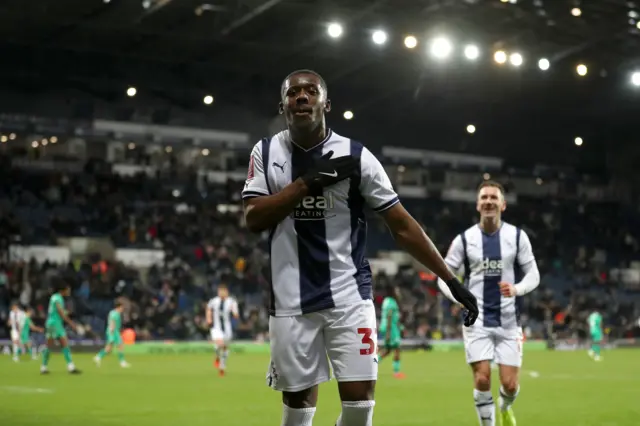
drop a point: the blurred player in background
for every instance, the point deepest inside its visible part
(16, 319)
(499, 266)
(25, 333)
(54, 328)
(595, 329)
(113, 336)
(219, 312)
(308, 187)
(391, 329)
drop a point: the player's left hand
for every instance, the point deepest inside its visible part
(507, 289)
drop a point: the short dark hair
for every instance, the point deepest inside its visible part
(61, 285)
(491, 184)
(117, 303)
(323, 84)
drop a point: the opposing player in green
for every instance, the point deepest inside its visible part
(391, 329)
(25, 333)
(54, 328)
(113, 337)
(595, 329)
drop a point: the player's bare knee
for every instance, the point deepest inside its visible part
(307, 398)
(482, 380)
(357, 391)
(510, 385)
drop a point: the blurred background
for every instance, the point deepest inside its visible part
(126, 127)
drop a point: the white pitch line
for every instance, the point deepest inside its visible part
(22, 389)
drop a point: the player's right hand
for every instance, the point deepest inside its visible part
(328, 171)
(466, 299)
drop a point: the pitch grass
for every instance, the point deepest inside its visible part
(558, 388)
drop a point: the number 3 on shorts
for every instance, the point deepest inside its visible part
(367, 340)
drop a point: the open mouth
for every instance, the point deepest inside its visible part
(303, 113)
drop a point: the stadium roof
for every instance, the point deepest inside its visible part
(239, 51)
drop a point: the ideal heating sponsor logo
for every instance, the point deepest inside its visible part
(491, 267)
(317, 207)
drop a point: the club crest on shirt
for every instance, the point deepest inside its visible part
(318, 207)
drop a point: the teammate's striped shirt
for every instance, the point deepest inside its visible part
(16, 320)
(317, 253)
(221, 311)
(488, 259)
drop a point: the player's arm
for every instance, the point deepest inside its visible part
(527, 262)
(112, 325)
(209, 315)
(36, 328)
(263, 210)
(64, 316)
(376, 188)
(234, 310)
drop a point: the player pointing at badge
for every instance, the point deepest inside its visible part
(308, 186)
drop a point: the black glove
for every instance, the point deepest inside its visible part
(466, 298)
(328, 171)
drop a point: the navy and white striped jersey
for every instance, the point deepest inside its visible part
(488, 260)
(317, 252)
(221, 311)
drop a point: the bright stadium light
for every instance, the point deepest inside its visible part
(410, 42)
(12, 136)
(500, 57)
(3, 138)
(348, 115)
(131, 92)
(576, 11)
(516, 59)
(208, 100)
(334, 30)
(441, 48)
(471, 52)
(35, 144)
(471, 129)
(638, 25)
(379, 37)
(131, 145)
(544, 64)
(581, 70)
(53, 139)
(578, 141)
(206, 152)
(635, 78)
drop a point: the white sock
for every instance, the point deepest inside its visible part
(223, 359)
(15, 350)
(485, 407)
(297, 416)
(505, 401)
(356, 413)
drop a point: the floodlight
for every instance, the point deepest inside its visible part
(334, 30)
(410, 42)
(578, 141)
(582, 70)
(379, 37)
(635, 78)
(208, 100)
(348, 115)
(471, 129)
(500, 57)
(516, 59)
(576, 11)
(544, 64)
(471, 52)
(441, 48)
(131, 92)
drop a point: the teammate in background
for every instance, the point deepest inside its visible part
(25, 333)
(113, 337)
(391, 328)
(499, 266)
(54, 328)
(219, 312)
(308, 187)
(595, 329)
(16, 319)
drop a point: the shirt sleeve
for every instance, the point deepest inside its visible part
(375, 185)
(525, 251)
(455, 256)
(256, 183)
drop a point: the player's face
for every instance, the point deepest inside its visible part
(304, 101)
(490, 202)
(66, 291)
(223, 292)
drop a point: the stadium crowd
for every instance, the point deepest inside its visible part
(198, 225)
